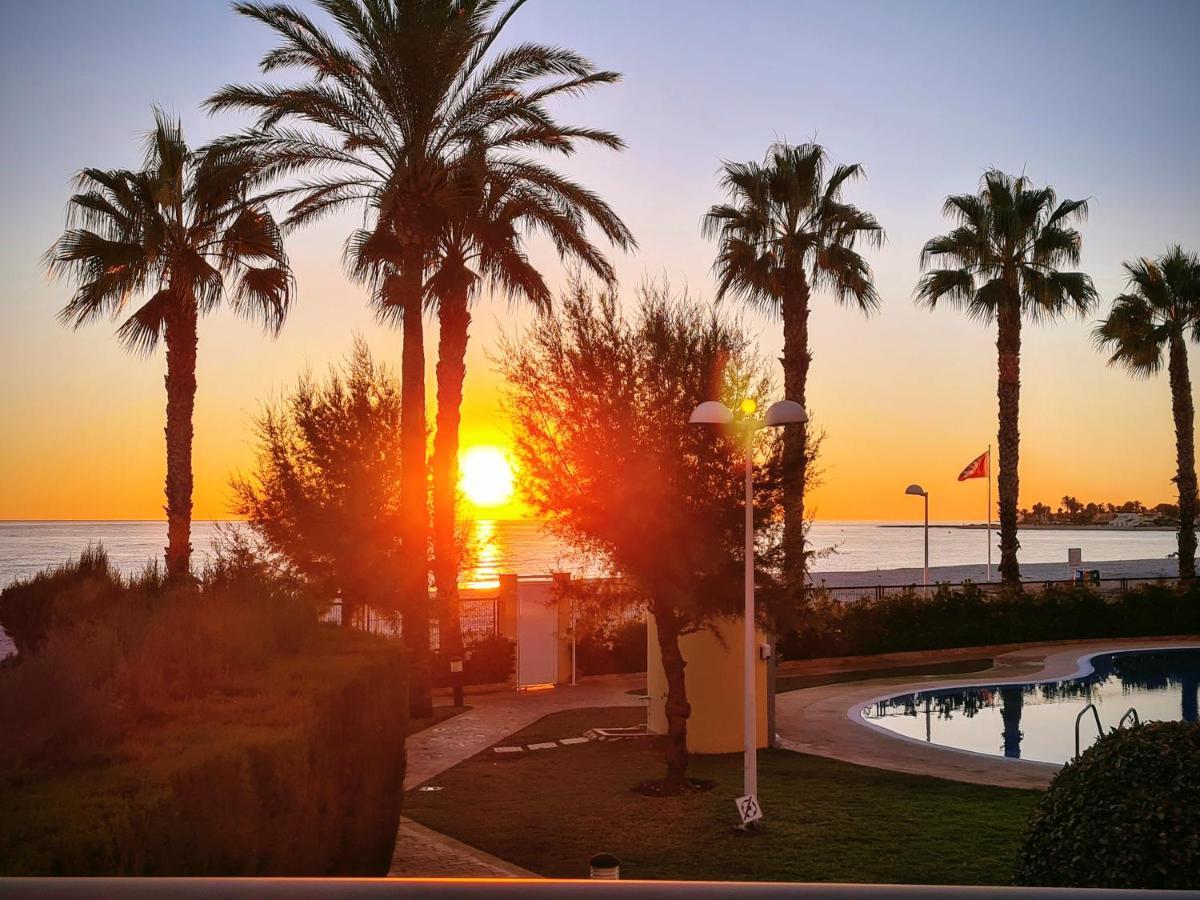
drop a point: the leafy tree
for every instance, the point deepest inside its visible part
(324, 491)
(1161, 311)
(1002, 261)
(784, 231)
(182, 234)
(600, 408)
(388, 114)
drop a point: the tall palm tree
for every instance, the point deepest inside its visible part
(1001, 262)
(184, 234)
(784, 231)
(499, 202)
(1161, 310)
(380, 126)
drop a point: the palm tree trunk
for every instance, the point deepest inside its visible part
(796, 360)
(181, 338)
(1185, 453)
(677, 707)
(414, 539)
(453, 321)
(1008, 391)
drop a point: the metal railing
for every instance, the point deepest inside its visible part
(1079, 718)
(514, 888)
(856, 593)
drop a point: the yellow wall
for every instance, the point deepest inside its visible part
(714, 684)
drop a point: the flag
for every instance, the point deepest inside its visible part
(976, 468)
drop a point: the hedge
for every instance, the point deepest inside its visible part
(295, 769)
(967, 617)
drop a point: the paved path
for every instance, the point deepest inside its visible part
(497, 715)
(422, 852)
(821, 720)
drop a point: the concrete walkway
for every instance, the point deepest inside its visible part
(422, 852)
(824, 720)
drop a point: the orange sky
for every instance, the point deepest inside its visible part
(905, 396)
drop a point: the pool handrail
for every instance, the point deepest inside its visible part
(1129, 712)
(1079, 718)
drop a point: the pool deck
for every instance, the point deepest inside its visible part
(824, 720)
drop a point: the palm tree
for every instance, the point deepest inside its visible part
(498, 202)
(1002, 262)
(1161, 310)
(184, 233)
(380, 126)
(784, 231)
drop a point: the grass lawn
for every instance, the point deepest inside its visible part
(550, 810)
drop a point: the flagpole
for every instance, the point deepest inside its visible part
(989, 513)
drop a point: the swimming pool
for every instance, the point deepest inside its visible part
(1036, 721)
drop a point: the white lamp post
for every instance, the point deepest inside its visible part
(783, 412)
(917, 491)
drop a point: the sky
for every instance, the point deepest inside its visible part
(1097, 98)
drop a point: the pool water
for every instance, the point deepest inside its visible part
(1037, 721)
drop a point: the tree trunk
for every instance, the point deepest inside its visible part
(181, 339)
(677, 707)
(414, 539)
(1008, 391)
(453, 322)
(1185, 453)
(796, 360)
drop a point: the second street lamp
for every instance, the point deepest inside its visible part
(783, 412)
(917, 491)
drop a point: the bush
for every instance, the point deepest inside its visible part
(99, 654)
(1126, 814)
(297, 770)
(487, 661)
(622, 649)
(967, 616)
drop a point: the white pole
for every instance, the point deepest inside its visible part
(989, 512)
(749, 753)
(927, 541)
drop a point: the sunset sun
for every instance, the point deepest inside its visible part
(487, 476)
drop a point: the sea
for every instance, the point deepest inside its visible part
(868, 549)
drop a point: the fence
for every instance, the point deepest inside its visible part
(479, 619)
(857, 593)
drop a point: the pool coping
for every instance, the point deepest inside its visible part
(826, 720)
(1083, 667)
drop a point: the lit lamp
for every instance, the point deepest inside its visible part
(917, 491)
(783, 412)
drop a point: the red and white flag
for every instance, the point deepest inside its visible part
(976, 468)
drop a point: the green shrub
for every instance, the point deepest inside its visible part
(296, 769)
(967, 616)
(489, 660)
(621, 649)
(98, 653)
(1125, 814)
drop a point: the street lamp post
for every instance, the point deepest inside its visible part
(917, 491)
(783, 412)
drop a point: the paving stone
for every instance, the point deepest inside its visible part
(576, 740)
(545, 745)
(509, 749)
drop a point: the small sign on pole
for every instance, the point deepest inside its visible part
(748, 809)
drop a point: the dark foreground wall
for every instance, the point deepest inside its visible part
(298, 772)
